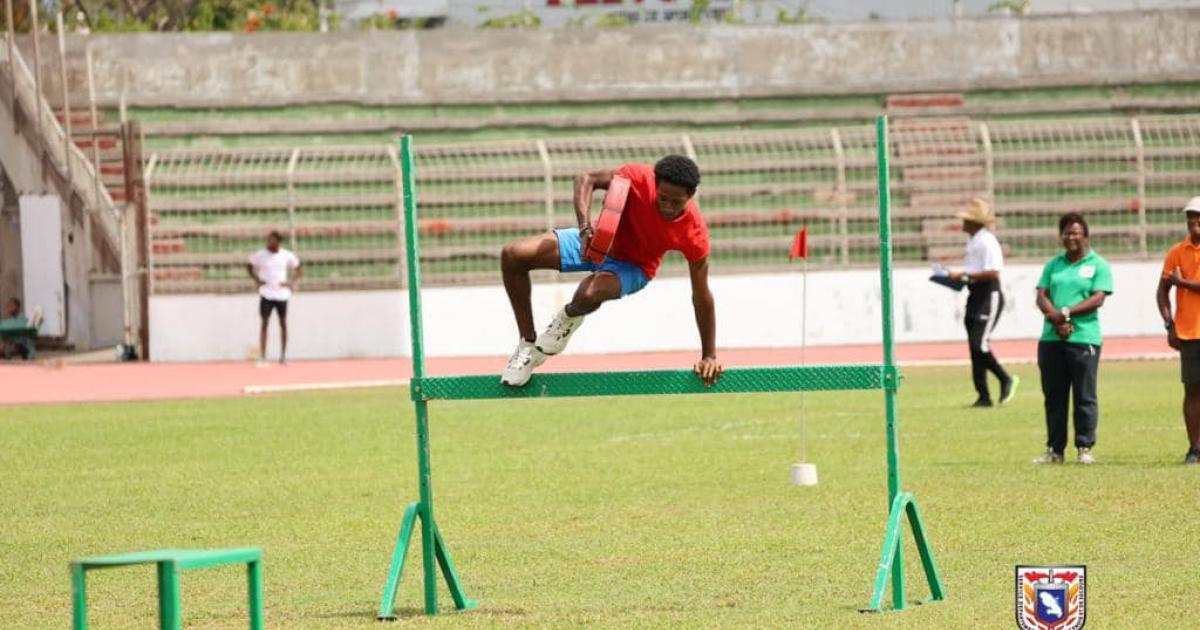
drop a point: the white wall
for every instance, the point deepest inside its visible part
(320, 325)
(753, 311)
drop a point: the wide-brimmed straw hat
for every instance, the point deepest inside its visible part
(978, 211)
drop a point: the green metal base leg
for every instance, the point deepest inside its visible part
(898, 577)
(447, 565)
(937, 591)
(387, 604)
(891, 558)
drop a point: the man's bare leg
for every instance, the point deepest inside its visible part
(262, 339)
(517, 259)
(283, 340)
(1191, 413)
(595, 290)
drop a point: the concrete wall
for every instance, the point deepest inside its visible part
(451, 66)
(10, 240)
(332, 324)
(107, 326)
(753, 311)
(473, 12)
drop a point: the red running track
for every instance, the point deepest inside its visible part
(53, 382)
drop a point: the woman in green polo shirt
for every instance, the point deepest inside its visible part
(1073, 287)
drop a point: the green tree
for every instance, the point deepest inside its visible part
(190, 15)
(521, 19)
(612, 20)
(1015, 7)
(799, 16)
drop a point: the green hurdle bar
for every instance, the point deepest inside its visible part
(884, 377)
(825, 378)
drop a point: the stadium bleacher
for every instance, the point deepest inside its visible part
(338, 205)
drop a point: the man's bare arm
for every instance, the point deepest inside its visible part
(1089, 304)
(1047, 307)
(978, 276)
(707, 368)
(585, 185)
(1163, 296)
(1177, 280)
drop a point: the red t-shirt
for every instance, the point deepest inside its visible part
(644, 236)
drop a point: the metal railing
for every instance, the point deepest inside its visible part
(76, 172)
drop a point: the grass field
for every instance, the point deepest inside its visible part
(650, 512)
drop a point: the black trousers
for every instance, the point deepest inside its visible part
(984, 305)
(1069, 370)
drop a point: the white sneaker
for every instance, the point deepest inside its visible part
(521, 364)
(1049, 457)
(554, 339)
(1085, 456)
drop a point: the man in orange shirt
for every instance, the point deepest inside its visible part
(1181, 270)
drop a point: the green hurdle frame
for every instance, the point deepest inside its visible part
(424, 389)
(170, 565)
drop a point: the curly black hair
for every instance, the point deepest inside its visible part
(678, 170)
(1071, 218)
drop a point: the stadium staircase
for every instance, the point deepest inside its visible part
(39, 158)
(944, 167)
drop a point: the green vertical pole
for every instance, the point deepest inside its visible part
(255, 595)
(78, 597)
(424, 474)
(426, 511)
(168, 597)
(413, 256)
(889, 350)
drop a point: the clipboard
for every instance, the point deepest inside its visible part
(953, 285)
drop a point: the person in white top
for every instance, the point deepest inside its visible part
(982, 265)
(271, 268)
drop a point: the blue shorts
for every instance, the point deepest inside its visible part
(571, 259)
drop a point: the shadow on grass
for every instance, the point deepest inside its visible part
(911, 604)
(1136, 463)
(416, 613)
(1068, 465)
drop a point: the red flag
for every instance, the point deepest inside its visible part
(799, 245)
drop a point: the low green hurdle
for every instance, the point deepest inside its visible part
(885, 377)
(170, 563)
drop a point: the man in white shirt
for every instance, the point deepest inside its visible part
(270, 268)
(982, 265)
